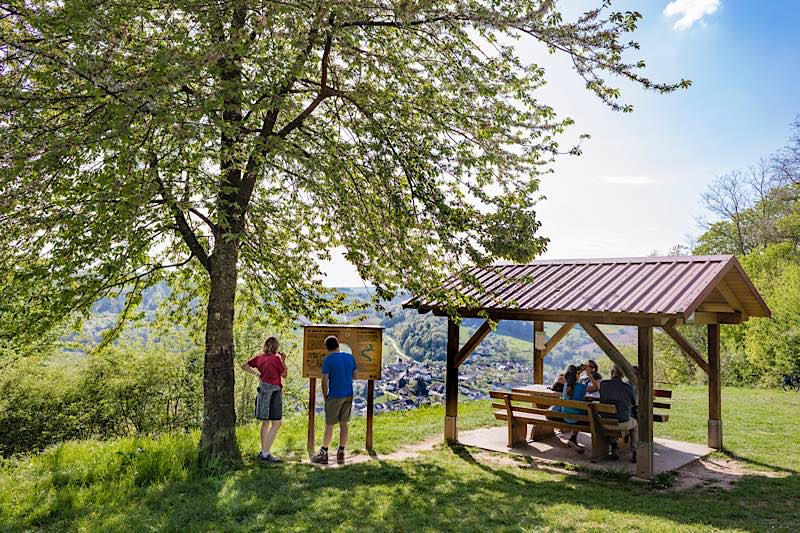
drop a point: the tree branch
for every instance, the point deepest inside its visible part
(182, 225)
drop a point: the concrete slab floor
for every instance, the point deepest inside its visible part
(668, 454)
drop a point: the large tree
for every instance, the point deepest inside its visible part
(231, 145)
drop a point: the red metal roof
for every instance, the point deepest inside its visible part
(674, 286)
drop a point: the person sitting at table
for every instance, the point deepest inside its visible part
(573, 390)
(589, 376)
(558, 384)
(591, 370)
(620, 394)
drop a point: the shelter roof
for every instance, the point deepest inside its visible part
(676, 287)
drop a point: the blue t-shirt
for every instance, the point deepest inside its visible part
(339, 366)
(578, 392)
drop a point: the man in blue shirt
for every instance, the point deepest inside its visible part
(338, 373)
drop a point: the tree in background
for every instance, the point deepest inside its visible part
(230, 146)
(757, 215)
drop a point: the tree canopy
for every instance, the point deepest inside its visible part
(230, 146)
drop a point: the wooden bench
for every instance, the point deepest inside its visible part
(660, 401)
(519, 409)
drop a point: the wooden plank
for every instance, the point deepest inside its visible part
(611, 351)
(731, 298)
(662, 393)
(685, 345)
(714, 388)
(700, 317)
(658, 417)
(538, 355)
(621, 319)
(540, 420)
(599, 440)
(644, 447)
(660, 405)
(312, 413)
(473, 342)
(557, 337)
(451, 384)
(713, 307)
(544, 412)
(370, 412)
(511, 437)
(548, 400)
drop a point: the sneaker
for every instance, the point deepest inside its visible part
(272, 459)
(340, 456)
(321, 458)
(613, 455)
(263, 457)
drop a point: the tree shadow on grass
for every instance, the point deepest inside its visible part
(448, 489)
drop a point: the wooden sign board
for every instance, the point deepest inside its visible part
(365, 341)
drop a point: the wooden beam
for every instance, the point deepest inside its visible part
(611, 351)
(701, 317)
(451, 384)
(538, 355)
(370, 413)
(731, 298)
(685, 345)
(620, 319)
(644, 447)
(312, 413)
(716, 307)
(473, 343)
(557, 337)
(714, 388)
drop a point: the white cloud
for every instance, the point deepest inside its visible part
(631, 180)
(690, 11)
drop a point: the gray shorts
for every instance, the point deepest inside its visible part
(338, 410)
(269, 402)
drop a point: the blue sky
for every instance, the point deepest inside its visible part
(637, 186)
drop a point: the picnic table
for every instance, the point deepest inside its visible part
(539, 432)
(545, 432)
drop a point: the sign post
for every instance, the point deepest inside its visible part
(366, 343)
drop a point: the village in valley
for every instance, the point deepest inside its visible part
(407, 383)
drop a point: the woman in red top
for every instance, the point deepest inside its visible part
(270, 367)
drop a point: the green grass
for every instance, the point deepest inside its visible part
(157, 484)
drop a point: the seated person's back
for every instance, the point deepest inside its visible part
(616, 392)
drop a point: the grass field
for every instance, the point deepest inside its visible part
(146, 484)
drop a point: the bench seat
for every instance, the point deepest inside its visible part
(530, 418)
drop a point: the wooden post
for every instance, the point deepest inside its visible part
(370, 402)
(644, 447)
(451, 384)
(538, 355)
(312, 412)
(714, 389)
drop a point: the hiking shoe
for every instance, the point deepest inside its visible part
(272, 459)
(321, 458)
(340, 457)
(613, 455)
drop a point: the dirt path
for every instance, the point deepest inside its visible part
(406, 452)
(706, 473)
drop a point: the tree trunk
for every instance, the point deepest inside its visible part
(219, 416)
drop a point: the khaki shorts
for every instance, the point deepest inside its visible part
(620, 426)
(338, 410)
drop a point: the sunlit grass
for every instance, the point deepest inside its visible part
(157, 483)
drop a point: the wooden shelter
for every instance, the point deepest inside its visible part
(645, 292)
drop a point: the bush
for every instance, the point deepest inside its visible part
(128, 389)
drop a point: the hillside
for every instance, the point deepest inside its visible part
(422, 337)
(156, 483)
